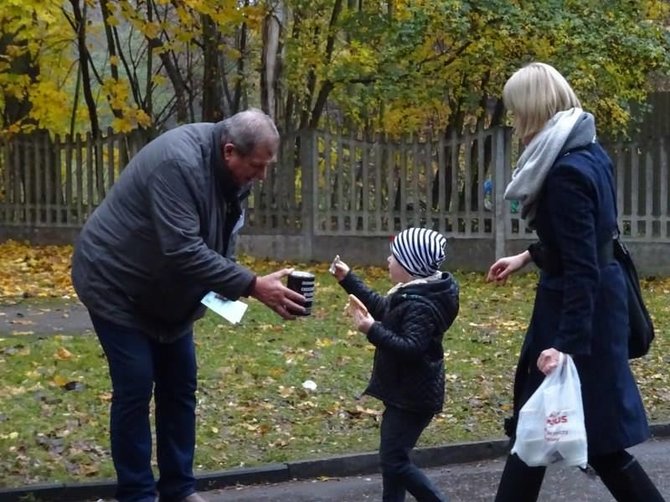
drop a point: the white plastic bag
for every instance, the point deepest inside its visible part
(551, 429)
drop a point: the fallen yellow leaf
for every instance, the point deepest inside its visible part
(63, 354)
(59, 380)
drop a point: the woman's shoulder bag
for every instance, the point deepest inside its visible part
(641, 326)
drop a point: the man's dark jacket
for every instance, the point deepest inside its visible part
(408, 369)
(163, 236)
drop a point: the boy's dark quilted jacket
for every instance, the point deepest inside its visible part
(408, 369)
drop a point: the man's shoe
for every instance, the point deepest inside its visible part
(193, 497)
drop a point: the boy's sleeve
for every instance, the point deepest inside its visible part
(411, 339)
(376, 304)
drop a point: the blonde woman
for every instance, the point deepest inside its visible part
(564, 183)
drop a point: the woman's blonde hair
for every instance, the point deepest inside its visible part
(534, 94)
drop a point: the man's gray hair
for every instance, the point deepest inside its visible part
(248, 129)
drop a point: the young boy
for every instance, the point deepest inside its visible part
(406, 326)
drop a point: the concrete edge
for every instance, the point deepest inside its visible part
(335, 466)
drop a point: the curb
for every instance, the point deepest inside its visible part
(335, 466)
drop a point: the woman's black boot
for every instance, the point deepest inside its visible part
(519, 483)
(631, 484)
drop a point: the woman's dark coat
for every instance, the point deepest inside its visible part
(408, 369)
(581, 303)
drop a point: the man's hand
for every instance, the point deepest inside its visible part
(271, 291)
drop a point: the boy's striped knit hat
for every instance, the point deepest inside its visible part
(420, 251)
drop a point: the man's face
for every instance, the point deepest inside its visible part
(247, 168)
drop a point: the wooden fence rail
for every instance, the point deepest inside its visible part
(328, 184)
(58, 182)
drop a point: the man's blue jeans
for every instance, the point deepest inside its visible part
(139, 368)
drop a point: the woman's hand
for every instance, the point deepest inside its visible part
(504, 267)
(549, 360)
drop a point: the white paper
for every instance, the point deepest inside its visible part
(232, 311)
(332, 265)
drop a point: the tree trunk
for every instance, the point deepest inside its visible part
(84, 57)
(326, 86)
(31, 157)
(212, 106)
(241, 68)
(271, 60)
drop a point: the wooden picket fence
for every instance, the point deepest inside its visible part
(57, 182)
(338, 184)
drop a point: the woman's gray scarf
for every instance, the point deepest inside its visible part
(565, 131)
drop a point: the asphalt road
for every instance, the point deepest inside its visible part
(461, 482)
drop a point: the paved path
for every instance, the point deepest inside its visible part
(49, 316)
(463, 483)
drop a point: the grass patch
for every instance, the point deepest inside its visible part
(252, 408)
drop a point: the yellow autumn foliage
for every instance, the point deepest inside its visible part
(45, 95)
(35, 271)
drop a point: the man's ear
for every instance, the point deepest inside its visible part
(227, 150)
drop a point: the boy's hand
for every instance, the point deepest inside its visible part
(339, 269)
(362, 320)
(355, 304)
(359, 314)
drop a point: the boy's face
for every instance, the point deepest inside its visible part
(396, 271)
